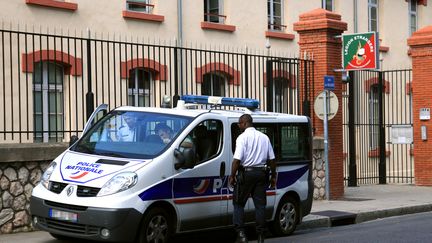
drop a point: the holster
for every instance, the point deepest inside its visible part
(239, 196)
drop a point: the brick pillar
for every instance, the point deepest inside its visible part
(318, 30)
(421, 53)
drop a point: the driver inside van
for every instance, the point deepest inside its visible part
(126, 132)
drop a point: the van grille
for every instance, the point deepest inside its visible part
(82, 191)
(57, 187)
(69, 227)
(85, 191)
(65, 206)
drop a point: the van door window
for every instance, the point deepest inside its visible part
(206, 138)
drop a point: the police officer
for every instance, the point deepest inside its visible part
(249, 175)
(126, 132)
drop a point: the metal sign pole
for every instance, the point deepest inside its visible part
(327, 179)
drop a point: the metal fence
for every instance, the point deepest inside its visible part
(49, 84)
(378, 136)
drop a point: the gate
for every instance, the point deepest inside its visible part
(377, 123)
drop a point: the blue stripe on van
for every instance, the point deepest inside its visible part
(199, 187)
(287, 178)
(162, 190)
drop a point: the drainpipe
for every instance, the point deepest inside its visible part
(355, 19)
(180, 22)
(178, 72)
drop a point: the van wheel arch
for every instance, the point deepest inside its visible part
(287, 215)
(165, 207)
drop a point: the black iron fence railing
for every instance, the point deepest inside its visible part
(49, 84)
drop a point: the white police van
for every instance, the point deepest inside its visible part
(144, 189)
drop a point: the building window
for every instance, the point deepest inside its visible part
(275, 13)
(373, 15)
(412, 16)
(139, 6)
(373, 117)
(213, 11)
(327, 5)
(139, 91)
(48, 102)
(214, 84)
(280, 95)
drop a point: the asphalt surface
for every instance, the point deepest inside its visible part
(360, 204)
(369, 202)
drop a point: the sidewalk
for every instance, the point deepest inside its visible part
(369, 202)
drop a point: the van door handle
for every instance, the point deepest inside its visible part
(222, 170)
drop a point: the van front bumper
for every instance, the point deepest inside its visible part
(107, 224)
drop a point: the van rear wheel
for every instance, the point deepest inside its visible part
(286, 218)
(156, 227)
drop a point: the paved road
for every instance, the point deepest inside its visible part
(405, 229)
(408, 228)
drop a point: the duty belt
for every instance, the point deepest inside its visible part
(263, 168)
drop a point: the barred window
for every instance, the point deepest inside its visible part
(48, 102)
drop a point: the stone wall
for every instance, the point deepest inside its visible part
(21, 168)
(17, 180)
(16, 183)
(318, 170)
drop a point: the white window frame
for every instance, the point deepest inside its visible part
(372, 5)
(412, 13)
(272, 15)
(145, 9)
(212, 76)
(45, 88)
(325, 2)
(220, 11)
(373, 116)
(137, 92)
(281, 94)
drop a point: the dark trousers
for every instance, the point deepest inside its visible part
(255, 184)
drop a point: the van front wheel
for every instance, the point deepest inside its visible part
(156, 227)
(286, 218)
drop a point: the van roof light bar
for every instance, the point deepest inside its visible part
(217, 100)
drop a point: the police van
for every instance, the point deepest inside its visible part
(122, 181)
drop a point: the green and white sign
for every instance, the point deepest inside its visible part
(360, 51)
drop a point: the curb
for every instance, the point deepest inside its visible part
(316, 221)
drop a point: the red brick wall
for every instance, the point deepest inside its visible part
(421, 53)
(318, 31)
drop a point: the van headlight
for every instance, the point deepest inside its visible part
(47, 174)
(118, 183)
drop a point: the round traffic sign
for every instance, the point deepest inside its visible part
(332, 105)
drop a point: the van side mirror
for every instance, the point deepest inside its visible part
(186, 158)
(73, 139)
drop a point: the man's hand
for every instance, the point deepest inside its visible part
(232, 180)
(272, 182)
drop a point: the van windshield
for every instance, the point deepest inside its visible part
(131, 134)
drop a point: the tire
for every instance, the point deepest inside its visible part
(156, 227)
(286, 217)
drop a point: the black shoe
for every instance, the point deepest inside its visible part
(260, 238)
(241, 237)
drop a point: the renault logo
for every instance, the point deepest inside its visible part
(70, 191)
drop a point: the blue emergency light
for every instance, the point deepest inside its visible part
(216, 100)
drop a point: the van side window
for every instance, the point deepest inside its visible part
(290, 141)
(268, 129)
(207, 138)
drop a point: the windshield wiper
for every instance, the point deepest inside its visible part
(111, 154)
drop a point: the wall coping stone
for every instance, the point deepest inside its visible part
(26, 152)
